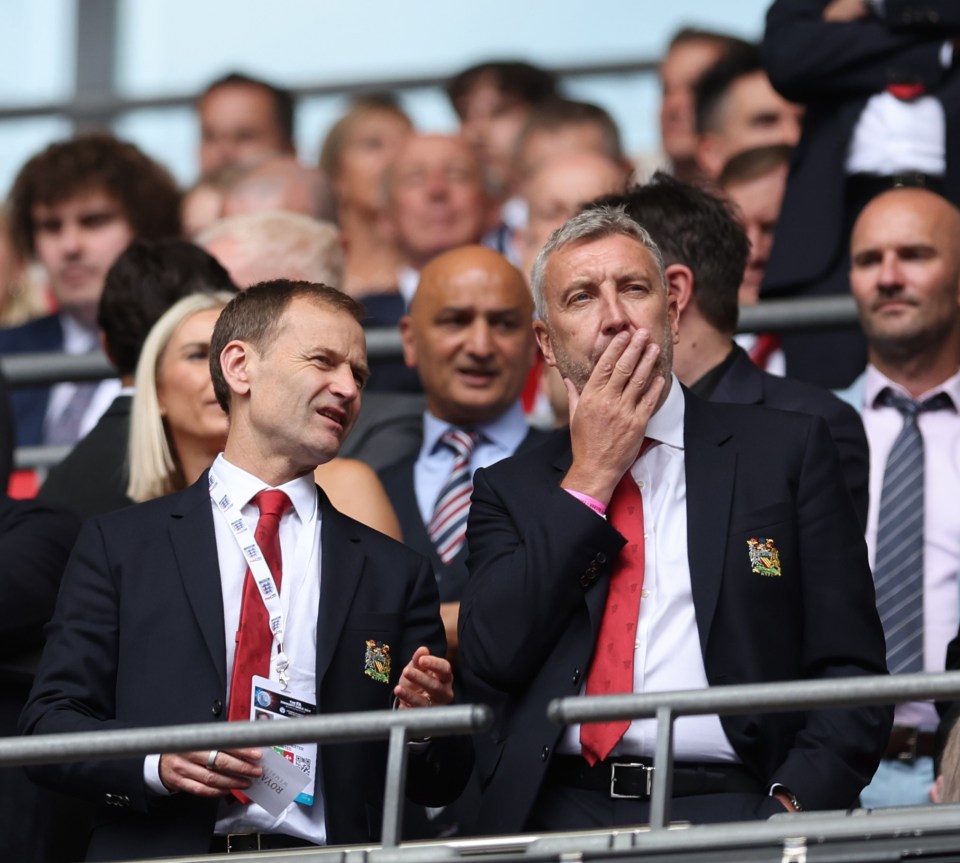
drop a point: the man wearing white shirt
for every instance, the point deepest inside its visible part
(905, 277)
(158, 607)
(663, 543)
(75, 207)
(881, 83)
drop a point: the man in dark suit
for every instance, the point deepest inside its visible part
(75, 207)
(704, 252)
(468, 335)
(723, 550)
(152, 592)
(881, 85)
(147, 278)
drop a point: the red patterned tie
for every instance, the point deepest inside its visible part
(611, 671)
(254, 639)
(765, 346)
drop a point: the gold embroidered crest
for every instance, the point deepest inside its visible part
(764, 557)
(376, 661)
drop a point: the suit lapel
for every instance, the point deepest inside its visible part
(195, 548)
(710, 463)
(341, 566)
(743, 382)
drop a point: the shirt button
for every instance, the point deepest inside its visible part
(217, 707)
(641, 485)
(644, 594)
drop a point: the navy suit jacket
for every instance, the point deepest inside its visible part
(397, 479)
(138, 640)
(833, 69)
(540, 563)
(746, 384)
(30, 403)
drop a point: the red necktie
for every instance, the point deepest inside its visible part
(764, 348)
(611, 671)
(254, 639)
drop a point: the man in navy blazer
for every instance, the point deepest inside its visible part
(755, 570)
(704, 252)
(880, 80)
(75, 207)
(139, 634)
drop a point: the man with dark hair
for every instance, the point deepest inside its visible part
(704, 250)
(663, 543)
(144, 632)
(737, 108)
(690, 53)
(493, 101)
(148, 278)
(75, 207)
(242, 120)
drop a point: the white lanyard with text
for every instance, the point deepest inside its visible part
(262, 577)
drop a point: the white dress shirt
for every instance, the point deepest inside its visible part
(499, 440)
(77, 340)
(941, 546)
(667, 653)
(300, 601)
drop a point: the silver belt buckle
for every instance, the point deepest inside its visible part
(626, 768)
(232, 836)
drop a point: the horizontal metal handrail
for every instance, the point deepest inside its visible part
(743, 698)
(399, 726)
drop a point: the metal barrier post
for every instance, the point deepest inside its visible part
(663, 770)
(393, 791)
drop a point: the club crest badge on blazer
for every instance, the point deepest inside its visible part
(376, 661)
(764, 557)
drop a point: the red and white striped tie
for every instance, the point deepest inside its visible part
(448, 526)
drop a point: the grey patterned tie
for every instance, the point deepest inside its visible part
(66, 430)
(898, 569)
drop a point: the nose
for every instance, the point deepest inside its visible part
(480, 340)
(613, 319)
(343, 384)
(437, 185)
(889, 274)
(71, 239)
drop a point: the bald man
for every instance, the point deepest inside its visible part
(280, 183)
(469, 335)
(905, 278)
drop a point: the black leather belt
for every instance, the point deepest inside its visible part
(234, 843)
(908, 743)
(870, 185)
(632, 778)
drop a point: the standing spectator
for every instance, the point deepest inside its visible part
(881, 84)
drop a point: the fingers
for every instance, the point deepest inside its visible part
(210, 774)
(573, 398)
(426, 681)
(627, 365)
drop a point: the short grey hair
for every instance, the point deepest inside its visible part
(595, 223)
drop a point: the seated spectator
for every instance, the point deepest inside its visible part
(148, 278)
(242, 120)
(737, 109)
(253, 246)
(202, 203)
(754, 182)
(279, 183)
(75, 207)
(355, 155)
(690, 53)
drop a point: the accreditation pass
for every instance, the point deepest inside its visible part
(289, 770)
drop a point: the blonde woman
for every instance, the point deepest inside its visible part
(177, 428)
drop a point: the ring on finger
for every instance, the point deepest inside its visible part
(212, 758)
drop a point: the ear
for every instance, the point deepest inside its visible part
(236, 362)
(543, 339)
(406, 338)
(679, 285)
(710, 156)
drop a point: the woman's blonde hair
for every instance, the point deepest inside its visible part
(154, 467)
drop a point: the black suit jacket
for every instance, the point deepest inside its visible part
(140, 615)
(539, 569)
(746, 384)
(833, 69)
(397, 479)
(93, 478)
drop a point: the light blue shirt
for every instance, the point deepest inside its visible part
(498, 440)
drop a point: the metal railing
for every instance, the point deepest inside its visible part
(891, 834)
(399, 726)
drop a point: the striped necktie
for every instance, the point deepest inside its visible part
(448, 526)
(898, 568)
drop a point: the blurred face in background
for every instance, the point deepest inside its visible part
(370, 145)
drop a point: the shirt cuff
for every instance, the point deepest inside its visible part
(151, 776)
(946, 55)
(597, 506)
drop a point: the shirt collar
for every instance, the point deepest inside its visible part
(77, 339)
(876, 382)
(666, 425)
(243, 486)
(506, 432)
